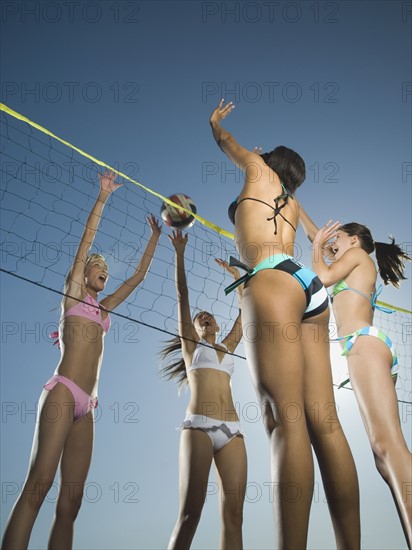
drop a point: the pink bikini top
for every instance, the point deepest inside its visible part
(205, 357)
(90, 309)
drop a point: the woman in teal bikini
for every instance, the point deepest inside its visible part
(371, 355)
(288, 352)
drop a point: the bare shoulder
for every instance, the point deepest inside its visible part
(74, 294)
(261, 178)
(255, 167)
(360, 260)
(356, 254)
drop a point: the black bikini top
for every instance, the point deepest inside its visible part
(276, 209)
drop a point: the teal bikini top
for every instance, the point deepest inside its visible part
(342, 285)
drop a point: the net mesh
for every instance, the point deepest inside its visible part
(47, 191)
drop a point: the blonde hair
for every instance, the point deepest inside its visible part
(89, 259)
(94, 257)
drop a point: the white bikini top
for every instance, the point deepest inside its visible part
(205, 357)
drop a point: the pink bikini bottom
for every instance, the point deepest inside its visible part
(83, 403)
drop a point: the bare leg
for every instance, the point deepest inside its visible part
(273, 304)
(369, 369)
(332, 450)
(75, 464)
(231, 468)
(195, 459)
(54, 424)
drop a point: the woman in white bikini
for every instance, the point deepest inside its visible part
(211, 429)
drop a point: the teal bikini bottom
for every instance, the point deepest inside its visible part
(350, 340)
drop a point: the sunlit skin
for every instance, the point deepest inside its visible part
(81, 339)
(286, 370)
(369, 360)
(341, 243)
(205, 324)
(210, 389)
(58, 439)
(211, 396)
(96, 275)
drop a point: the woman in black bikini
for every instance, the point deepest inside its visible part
(289, 357)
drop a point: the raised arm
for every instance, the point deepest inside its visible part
(242, 157)
(232, 340)
(121, 293)
(186, 329)
(76, 280)
(331, 274)
(311, 229)
(308, 225)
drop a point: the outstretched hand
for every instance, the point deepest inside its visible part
(230, 269)
(154, 224)
(221, 112)
(178, 240)
(107, 184)
(326, 233)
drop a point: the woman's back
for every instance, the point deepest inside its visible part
(259, 233)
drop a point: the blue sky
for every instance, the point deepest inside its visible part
(133, 83)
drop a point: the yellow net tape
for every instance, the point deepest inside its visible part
(203, 221)
(390, 306)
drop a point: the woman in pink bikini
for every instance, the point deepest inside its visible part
(64, 429)
(211, 430)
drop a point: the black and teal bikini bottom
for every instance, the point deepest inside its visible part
(316, 295)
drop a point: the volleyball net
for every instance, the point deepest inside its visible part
(48, 187)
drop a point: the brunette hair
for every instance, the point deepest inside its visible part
(288, 165)
(176, 370)
(389, 256)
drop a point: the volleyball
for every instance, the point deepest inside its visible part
(177, 217)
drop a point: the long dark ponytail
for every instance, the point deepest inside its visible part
(389, 256)
(176, 370)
